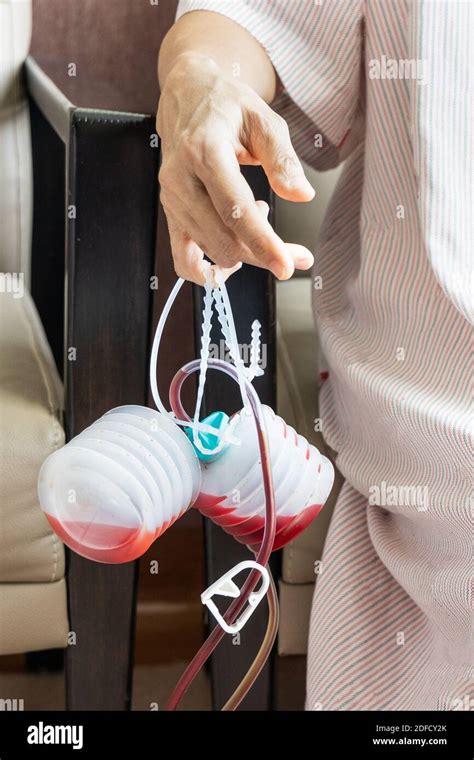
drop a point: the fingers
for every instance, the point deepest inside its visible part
(207, 230)
(188, 257)
(212, 210)
(204, 225)
(224, 248)
(267, 138)
(302, 258)
(233, 200)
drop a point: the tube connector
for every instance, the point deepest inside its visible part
(217, 420)
(225, 586)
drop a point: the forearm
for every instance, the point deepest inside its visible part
(229, 45)
(213, 117)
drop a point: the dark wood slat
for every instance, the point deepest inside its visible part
(110, 252)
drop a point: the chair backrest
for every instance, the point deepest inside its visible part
(15, 142)
(119, 76)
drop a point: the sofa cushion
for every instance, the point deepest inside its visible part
(295, 610)
(15, 143)
(32, 616)
(31, 555)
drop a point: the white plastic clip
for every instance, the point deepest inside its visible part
(254, 369)
(225, 586)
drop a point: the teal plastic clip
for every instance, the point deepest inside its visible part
(218, 420)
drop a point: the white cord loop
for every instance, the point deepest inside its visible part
(217, 296)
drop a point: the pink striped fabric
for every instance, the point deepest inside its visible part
(385, 84)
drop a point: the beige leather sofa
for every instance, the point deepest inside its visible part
(33, 609)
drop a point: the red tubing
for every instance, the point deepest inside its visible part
(262, 557)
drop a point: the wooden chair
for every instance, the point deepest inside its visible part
(99, 236)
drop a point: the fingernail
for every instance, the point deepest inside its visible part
(298, 181)
(308, 186)
(304, 261)
(264, 208)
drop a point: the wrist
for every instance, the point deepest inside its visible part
(188, 64)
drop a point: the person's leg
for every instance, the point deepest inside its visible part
(427, 549)
(368, 641)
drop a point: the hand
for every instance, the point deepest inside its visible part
(209, 125)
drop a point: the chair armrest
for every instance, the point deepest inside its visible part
(93, 254)
(107, 199)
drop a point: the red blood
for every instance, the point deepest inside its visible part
(227, 516)
(86, 539)
(247, 525)
(249, 530)
(91, 540)
(292, 528)
(206, 501)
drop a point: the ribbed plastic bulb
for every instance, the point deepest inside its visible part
(114, 488)
(232, 488)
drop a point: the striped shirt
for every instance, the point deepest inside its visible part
(384, 85)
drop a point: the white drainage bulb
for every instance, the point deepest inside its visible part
(118, 485)
(232, 489)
